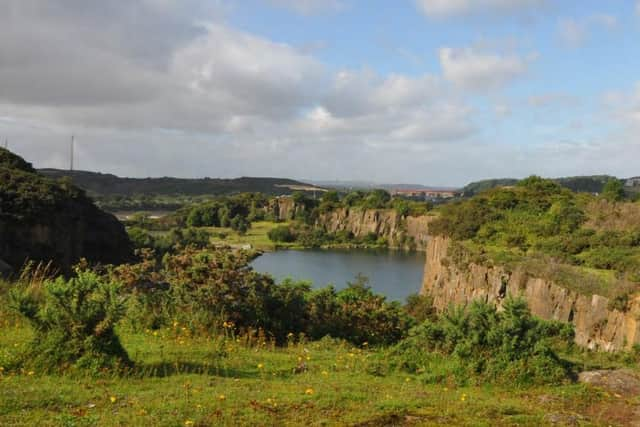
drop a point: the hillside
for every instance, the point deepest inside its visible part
(99, 184)
(46, 220)
(580, 184)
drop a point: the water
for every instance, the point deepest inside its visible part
(391, 273)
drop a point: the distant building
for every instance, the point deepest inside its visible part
(425, 194)
(632, 182)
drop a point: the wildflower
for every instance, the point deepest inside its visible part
(175, 323)
(30, 373)
(290, 335)
(260, 366)
(407, 379)
(308, 391)
(222, 397)
(463, 397)
(113, 399)
(308, 357)
(325, 373)
(155, 333)
(352, 355)
(188, 423)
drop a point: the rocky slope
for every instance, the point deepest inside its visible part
(46, 220)
(596, 326)
(399, 231)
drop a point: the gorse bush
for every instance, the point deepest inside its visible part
(206, 288)
(485, 345)
(73, 322)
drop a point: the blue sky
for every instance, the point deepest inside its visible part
(437, 92)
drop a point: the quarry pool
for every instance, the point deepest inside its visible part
(394, 274)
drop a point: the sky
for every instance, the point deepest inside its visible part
(434, 92)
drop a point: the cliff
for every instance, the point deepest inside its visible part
(596, 326)
(399, 231)
(46, 220)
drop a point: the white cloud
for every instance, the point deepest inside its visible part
(310, 7)
(472, 69)
(575, 32)
(449, 8)
(638, 7)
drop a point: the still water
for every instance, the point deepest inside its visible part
(394, 274)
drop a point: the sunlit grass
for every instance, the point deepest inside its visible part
(180, 379)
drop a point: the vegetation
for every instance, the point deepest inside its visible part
(73, 323)
(485, 345)
(538, 221)
(210, 342)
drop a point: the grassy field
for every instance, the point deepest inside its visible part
(180, 380)
(256, 236)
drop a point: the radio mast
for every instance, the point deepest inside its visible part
(71, 149)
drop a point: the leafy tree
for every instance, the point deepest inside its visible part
(613, 190)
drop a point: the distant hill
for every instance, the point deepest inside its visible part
(580, 184)
(366, 185)
(99, 184)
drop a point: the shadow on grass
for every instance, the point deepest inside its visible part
(167, 369)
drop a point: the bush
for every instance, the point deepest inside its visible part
(73, 322)
(281, 233)
(486, 345)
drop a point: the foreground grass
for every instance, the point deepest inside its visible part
(180, 381)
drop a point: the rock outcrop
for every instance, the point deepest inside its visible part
(596, 326)
(399, 231)
(46, 220)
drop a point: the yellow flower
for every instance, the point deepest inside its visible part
(30, 373)
(260, 366)
(175, 323)
(188, 423)
(308, 357)
(155, 333)
(308, 391)
(407, 379)
(113, 399)
(222, 397)
(325, 373)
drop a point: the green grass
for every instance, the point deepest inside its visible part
(256, 236)
(180, 380)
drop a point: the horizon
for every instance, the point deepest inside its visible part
(424, 91)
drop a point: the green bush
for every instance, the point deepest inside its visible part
(281, 233)
(485, 345)
(73, 323)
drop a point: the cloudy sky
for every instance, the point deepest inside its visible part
(436, 92)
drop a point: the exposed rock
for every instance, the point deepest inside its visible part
(284, 208)
(623, 382)
(400, 232)
(46, 220)
(596, 326)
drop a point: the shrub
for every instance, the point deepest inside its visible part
(486, 345)
(281, 233)
(73, 322)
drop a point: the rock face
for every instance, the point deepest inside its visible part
(596, 326)
(46, 220)
(400, 232)
(284, 208)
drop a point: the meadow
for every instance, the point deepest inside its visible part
(181, 380)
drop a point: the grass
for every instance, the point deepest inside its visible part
(256, 236)
(182, 380)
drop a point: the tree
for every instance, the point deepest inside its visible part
(613, 190)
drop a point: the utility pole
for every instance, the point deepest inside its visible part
(71, 153)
